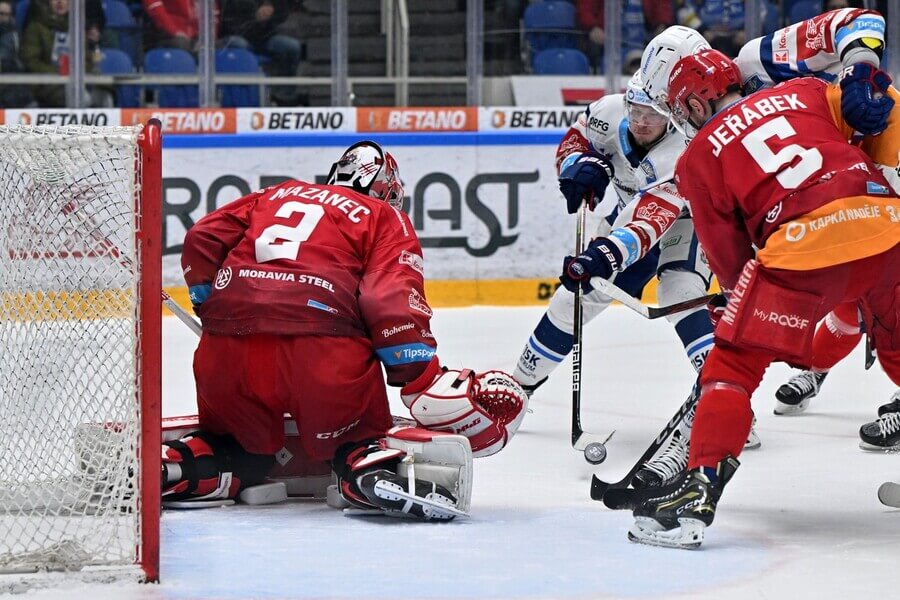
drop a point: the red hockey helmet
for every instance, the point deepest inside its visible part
(368, 169)
(708, 75)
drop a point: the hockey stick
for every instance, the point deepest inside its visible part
(619, 495)
(889, 494)
(93, 230)
(648, 312)
(592, 445)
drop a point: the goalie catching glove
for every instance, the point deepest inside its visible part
(487, 407)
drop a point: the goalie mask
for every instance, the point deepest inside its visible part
(368, 169)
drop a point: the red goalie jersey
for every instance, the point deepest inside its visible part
(775, 171)
(306, 259)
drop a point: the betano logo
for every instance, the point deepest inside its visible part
(417, 119)
(197, 120)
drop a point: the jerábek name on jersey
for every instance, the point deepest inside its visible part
(734, 124)
(353, 209)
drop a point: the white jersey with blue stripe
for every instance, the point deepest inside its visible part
(808, 48)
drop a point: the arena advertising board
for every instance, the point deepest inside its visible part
(294, 120)
(481, 187)
(480, 210)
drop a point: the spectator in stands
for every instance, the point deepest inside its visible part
(642, 19)
(11, 96)
(720, 21)
(45, 49)
(173, 24)
(254, 25)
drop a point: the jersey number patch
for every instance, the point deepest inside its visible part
(282, 241)
(771, 162)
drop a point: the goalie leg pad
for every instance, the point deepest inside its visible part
(411, 472)
(205, 466)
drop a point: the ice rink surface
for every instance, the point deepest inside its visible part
(799, 520)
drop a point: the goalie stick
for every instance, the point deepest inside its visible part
(580, 438)
(618, 495)
(889, 494)
(648, 312)
(93, 230)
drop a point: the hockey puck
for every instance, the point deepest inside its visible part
(595, 453)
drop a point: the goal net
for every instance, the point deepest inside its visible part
(79, 349)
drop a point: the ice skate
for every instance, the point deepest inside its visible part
(665, 468)
(753, 442)
(678, 516)
(390, 492)
(793, 397)
(892, 406)
(882, 434)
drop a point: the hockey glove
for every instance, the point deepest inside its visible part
(199, 293)
(585, 180)
(601, 259)
(716, 308)
(485, 407)
(865, 103)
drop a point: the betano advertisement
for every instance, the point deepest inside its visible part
(480, 183)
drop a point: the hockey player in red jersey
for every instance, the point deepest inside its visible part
(810, 223)
(305, 291)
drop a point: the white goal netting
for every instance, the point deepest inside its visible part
(69, 340)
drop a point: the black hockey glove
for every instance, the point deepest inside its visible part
(601, 259)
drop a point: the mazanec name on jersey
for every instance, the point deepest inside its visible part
(353, 209)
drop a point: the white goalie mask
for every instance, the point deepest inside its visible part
(660, 56)
(368, 169)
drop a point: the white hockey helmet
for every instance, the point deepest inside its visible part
(660, 56)
(640, 111)
(368, 169)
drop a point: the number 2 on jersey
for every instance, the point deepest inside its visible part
(283, 241)
(772, 162)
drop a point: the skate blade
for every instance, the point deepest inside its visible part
(873, 448)
(789, 410)
(688, 536)
(436, 510)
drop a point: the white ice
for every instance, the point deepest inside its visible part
(799, 520)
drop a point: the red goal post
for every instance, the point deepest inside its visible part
(80, 366)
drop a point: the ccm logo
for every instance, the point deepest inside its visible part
(336, 434)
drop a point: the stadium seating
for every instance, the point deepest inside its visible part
(120, 20)
(116, 62)
(238, 60)
(550, 24)
(169, 61)
(561, 61)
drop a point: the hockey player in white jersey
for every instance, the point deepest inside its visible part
(621, 140)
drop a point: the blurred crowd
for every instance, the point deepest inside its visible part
(34, 38)
(720, 21)
(274, 37)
